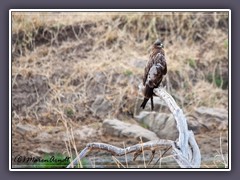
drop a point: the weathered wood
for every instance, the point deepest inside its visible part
(116, 151)
(185, 149)
(186, 141)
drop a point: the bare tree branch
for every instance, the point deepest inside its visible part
(184, 150)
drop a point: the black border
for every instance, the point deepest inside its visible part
(148, 169)
(171, 4)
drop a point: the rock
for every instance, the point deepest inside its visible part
(115, 127)
(101, 106)
(25, 128)
(96, 85)
(195, 125)
(85, 132)
(212, 118)
(34, 154)
(159, 105)
(218, 113)
(27, 90)
(139, 63)
(163, 124)
(44, 136)
(44, 150)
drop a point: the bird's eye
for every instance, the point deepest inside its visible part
(159, 44)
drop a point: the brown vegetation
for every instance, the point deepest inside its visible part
(71, 70)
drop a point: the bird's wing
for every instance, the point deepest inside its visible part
(159, 62)
(146, 71)
(154, 75)
(160, 59)
(157, 71)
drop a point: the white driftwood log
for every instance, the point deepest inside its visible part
(187, 154)
(185, 149)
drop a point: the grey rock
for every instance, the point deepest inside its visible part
(25, 128)
(115, 127)
(27, 90)
(163, 124)
(101, 106)
(44, 150)
(96, 85)
(159, 105)
(207, 112)
(44, 136)
(34, 154)
(212, 118)
(139, 63)
(77, 134)
(159, 101)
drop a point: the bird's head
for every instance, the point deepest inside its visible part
(158, 44)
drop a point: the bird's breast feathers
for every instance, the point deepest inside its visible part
(154, 75)
(158, 58)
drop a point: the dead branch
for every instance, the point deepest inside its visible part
(188, 154)
(116, 151)
(184, 150)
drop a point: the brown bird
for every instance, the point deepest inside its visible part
(154, 71)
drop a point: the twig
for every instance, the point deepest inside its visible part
(162, 155)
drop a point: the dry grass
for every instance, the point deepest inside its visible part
(82, 55)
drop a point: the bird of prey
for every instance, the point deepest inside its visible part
(154, 71)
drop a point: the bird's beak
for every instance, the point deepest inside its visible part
(161, 46)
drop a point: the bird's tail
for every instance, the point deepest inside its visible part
(152, 105)
(144, 103)
(148, 93)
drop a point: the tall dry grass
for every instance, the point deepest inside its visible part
(85, 54)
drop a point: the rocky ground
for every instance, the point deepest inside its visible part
(77, 82)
